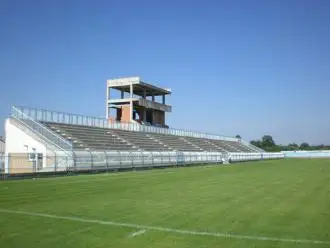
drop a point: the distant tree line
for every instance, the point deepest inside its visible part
(268, 144)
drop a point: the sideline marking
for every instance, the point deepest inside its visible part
(166, 229)
(134, 234)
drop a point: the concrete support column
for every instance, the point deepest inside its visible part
(163, 99)
(153, 98)
(131, 90)
(144, 115)
(122, 94)
(107, 102)
(144, 94)
(131, 102)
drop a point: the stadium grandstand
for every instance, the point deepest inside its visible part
(133, 134)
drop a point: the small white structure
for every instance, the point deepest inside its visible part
(22, 148)
(30, 147)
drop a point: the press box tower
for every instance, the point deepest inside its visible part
(137, 102)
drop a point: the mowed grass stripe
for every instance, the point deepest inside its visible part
(165, 229)
(280, 198)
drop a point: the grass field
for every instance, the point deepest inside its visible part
(280, 203)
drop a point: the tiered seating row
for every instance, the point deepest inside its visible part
(140, 140)
(176, 143)
(96, 138)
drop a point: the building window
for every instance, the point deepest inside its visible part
(32, 155)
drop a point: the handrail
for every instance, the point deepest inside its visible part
(252, 146)
(52, 137)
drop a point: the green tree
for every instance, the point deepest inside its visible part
(256, 143)
(293, 146)
(238, 136)
(267, 141)
(304, 146)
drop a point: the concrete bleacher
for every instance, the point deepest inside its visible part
(94, 138)
(176, 143)
(205, 144)
(242, 147)
(227, 145)
(141, 140)
(106, 139)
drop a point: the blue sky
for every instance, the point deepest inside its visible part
(235, 67)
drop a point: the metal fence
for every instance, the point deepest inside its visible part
(307, 154)
(2, 163)
(101, 161)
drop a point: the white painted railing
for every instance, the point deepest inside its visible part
(38, 128)
(307, 154)
(58, 161)
(123, 159)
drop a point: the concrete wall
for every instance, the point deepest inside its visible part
(125, 113)
(122, 114)
(155, 105)
(20, 163)
(159, 117)
(18, 142)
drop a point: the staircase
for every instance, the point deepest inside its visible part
(51, 139)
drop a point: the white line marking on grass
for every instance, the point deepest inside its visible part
(134, 234)
(166, 229)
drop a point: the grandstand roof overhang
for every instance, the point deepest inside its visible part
(140, 87)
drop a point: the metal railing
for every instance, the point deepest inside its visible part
(82, 161)
(307, 154)
(38, 128)
(42, 115)
(2, 163)
(257, 149)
